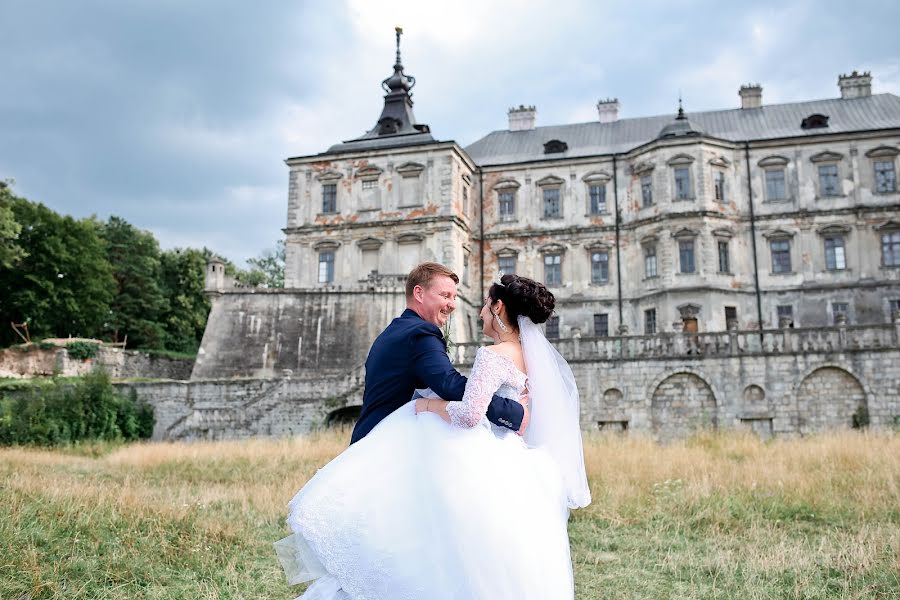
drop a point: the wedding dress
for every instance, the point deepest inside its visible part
(424, 510)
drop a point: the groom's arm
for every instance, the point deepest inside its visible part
(432, 365)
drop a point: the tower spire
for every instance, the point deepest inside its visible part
(397, 116)
(680, 116)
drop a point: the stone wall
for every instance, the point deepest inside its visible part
(777, 383)
(120, 364)
(227, 409)
(784, 382)
(270, 333)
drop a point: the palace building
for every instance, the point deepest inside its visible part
(728, 268)
(758, 216)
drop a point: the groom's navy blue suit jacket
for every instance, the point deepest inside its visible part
(411, 354)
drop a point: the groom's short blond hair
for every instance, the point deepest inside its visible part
(422, 275)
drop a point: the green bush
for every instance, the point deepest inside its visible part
(64, 412)
(82, 350)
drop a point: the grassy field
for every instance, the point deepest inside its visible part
(721, 516)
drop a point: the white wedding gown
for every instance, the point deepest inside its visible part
(423, 510)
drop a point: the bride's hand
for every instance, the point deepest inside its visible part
(525, 418)
(421, 405)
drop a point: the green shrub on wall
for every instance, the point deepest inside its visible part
(64, 412)
(82, 350)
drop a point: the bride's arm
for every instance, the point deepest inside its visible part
(435, 405)
(488, 374)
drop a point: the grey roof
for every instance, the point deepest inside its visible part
(380, 143)
(774, 121)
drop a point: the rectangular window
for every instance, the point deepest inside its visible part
(599, 267)
(552, 269)
(895, 307)
(885, 177)
(369, 184)
(890, 249)
(507, 201)
(552, 208)
(839, 309)
(649, 261)
(686, 256)
(465, 277)
(598, 199)
(326, 267)
(552, 330)
(647, 190)
(650, 321)
(682, 183)
(506, 264)
(719, 185)
(730, 316)
(724, 258)
(781, 256)
(329, 198)
(785, 315)
(828, 180)
(465, 200)
(835, 260)
(775, 187)
(601, 325)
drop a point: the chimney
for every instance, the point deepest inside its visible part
(522, 118)
(855, 85)
(608, 110)
(751, 95)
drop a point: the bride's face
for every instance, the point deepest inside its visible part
(487, 320)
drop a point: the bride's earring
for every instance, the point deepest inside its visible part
(500, 322)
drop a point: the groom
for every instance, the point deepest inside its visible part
(411, 354)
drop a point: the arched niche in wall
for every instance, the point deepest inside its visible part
(370, 253)
(409, 250)
(412, 187)
(369, 197)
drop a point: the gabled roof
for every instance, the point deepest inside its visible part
(774, 121)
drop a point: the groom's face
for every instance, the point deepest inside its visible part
(437, 300)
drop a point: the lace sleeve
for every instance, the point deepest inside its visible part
(488, 373)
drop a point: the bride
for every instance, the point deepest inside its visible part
(436, 503)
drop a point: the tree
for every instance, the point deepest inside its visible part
(10, 250)
(138, 302)
(62, 283)
(267, 269)
(182, 274)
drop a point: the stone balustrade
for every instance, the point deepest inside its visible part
(716, 344)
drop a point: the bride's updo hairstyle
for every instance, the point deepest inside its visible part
(523, 296)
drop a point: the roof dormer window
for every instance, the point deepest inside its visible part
(555, 147)
(814, 121)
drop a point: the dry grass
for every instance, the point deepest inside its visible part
(718, 516)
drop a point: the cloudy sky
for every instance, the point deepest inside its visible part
(178, 114)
